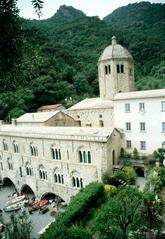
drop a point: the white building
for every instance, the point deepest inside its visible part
(63, 158)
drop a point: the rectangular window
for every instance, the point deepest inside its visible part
(128, 144)
(127, 107)
(128, 126)
(143, 145)
(141, 107)
(163, 127)
(142, 126)
(163, 105)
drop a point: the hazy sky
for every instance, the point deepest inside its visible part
(99, 8)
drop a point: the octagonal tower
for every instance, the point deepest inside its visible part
(115, 70)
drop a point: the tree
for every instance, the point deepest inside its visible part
(19, 226)
(121, 215)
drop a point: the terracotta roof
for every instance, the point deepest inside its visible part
(48, 107)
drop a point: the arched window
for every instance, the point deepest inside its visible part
(55, 178)
(89, 157)
(84, 157)
(106, 70)
(81, 183)
(122, 68)
(109, 69)
(42, 173)
(73, 182)
(118, 68)
(80, 157)
(77, 182)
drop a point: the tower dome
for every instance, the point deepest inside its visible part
(115, 51)
(116, 70)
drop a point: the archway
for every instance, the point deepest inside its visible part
(54, 199)
(139, 171)
(26, 189)
(8, 186)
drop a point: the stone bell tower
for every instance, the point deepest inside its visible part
(115, 70)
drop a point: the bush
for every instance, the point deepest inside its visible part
(110, 189)
(79, 206)
(129, 174)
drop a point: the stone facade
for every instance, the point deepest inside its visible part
(61, 163)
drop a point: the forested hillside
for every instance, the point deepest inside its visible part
(61, 55)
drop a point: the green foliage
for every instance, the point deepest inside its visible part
(135, 155)
(19, 226)
(116, 219)
(129, 174)
(57, 58)
(79, 206)
(110, 190)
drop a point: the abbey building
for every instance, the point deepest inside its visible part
(61, 151)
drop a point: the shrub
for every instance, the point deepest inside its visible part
(129, 174)
(110, 189)
(79, 206)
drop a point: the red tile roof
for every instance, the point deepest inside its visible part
(49, 107)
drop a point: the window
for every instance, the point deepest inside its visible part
(142, 126)
(141, 107)
(42, 173)
(77, 182)
(59, 178)
(5, 145)
(128, 126)
(109, 69)
(20, 172)
(143, 145)
(120, 68)
(106, 70)
(29, 171)
(163, 127)
(16, 147)
(127, 107)
(56, 153)
(33, 150)
(101, 123)
(10, 164)
(84, 156)
(163, 105)
(128, 144)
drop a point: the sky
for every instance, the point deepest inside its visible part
(99, 8)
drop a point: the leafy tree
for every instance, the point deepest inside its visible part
(19, 226)
(120, 215)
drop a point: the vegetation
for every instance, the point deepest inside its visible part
(56, 59)
(79, 209)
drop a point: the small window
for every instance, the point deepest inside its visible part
(106, 70)
(163, 127)
(5, 145)
(163, 105)
(129, 144)
(122, 68)
(142, 126)
(109, 69)
(101, 123)
(128, 126)
(20, 171)
(127, 108)
(1, 166)
(141, 107)
(143, 145)
(118, 68)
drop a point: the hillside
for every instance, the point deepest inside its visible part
(62, 54)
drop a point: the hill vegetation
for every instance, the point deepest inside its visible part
(60, 55)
